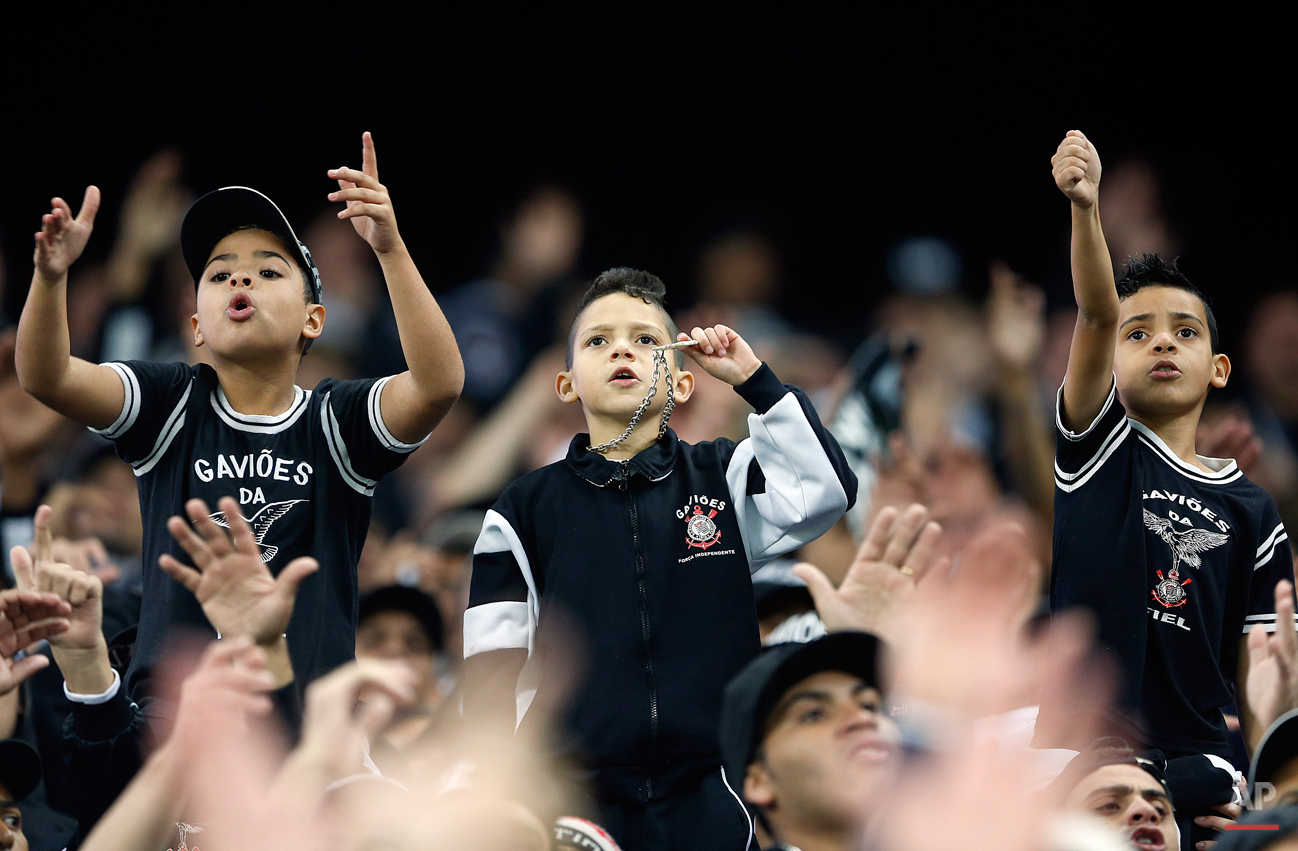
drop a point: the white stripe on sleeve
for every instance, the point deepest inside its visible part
(804, 496)
(375, 407)
(130, 402)
(338, 449)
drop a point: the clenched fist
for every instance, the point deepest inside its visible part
(1076, 166)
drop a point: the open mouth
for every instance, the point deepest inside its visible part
(624, 377)
(1164, 370)
(872, 749)
(1148, 837)
(240, 307)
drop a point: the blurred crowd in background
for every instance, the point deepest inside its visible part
(944, 398)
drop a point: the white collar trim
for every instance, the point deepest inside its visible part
(1223, 469)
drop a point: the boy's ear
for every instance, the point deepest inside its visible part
(315, 318)
(1220, 371)
(564, 387)
(758, 790)
(198, 333)
(684, 381)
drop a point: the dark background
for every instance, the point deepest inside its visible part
(836, 132)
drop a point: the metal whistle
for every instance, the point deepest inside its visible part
(682, 344)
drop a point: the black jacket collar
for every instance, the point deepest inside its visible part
(654, 462)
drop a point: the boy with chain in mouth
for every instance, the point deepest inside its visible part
(642, 546)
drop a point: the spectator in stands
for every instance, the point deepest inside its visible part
(808, 740)
(503, 320)
(403, 625)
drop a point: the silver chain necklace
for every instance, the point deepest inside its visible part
(660, 359)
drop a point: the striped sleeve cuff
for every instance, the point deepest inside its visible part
(130, 402)
(1267, 622)
(381, 428)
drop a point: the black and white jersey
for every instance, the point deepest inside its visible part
(303, 481)
(1175, 562)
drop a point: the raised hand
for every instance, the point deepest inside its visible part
(226, 689)
(1231, 437)
(236, 590)
(62, 238)
(896, 553)
(722, 353)
(1272, 681)
(368, 204)
(344, 710)
(1016, 320)
(83, 593)
(25, 618)
(1076, 166)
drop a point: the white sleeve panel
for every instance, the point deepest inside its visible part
(803, 497)
(498, 536)
(497, 626)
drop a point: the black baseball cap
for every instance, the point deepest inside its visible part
(220, 213)
(754, 692)
(1279, 745)
(1110, 750)
(410, 600)
(20, 768)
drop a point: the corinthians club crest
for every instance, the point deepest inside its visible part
(1186, 544)
(700, 529)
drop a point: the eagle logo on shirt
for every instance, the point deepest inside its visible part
(261, 523)
(1186, 545)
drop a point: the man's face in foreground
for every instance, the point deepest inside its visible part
(1131, 800)
(828, 753)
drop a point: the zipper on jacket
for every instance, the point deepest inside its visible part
(625, 484)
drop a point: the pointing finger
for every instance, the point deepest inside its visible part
(369, 160)
(44, 539)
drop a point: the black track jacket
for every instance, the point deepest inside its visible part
(648, 562)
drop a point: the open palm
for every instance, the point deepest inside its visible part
(896, 553)
(25, 618)
(231, 582)
(62, 237)
(1272, 684)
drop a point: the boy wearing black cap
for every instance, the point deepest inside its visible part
(302, 463)
(805, 729)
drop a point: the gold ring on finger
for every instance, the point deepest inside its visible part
(907, 570)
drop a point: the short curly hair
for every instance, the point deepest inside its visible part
(645, 286)
(1150, 270)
